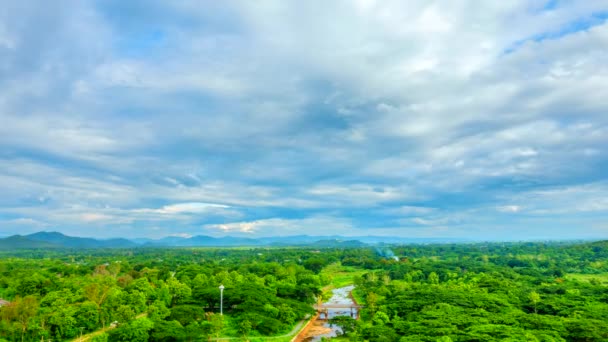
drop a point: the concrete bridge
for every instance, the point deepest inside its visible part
(323, 309)
(337, 306)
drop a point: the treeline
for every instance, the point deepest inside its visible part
(459, 292)
(156, 295)
(486, 292)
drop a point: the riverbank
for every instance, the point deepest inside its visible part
(338, 275)
(305, 330)
(343, 303)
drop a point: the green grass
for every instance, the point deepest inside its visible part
(340, 276)
(602, 277)
(359, 296)
(274, 339)
(230, 332)
(230, 327)
(255, 339)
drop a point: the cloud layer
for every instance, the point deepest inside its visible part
(147, 118)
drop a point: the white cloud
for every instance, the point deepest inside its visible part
(411, 210)
(182, 235)
(563, 200)
(509, 208)
(314, 225)
(359, 194)
(274, 105)
(190, 208)
(93, 217)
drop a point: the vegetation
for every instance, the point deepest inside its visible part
(156, 295)
(487, 292)
(339, 275)
(474, 292)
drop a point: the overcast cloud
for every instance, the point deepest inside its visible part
(464, 119)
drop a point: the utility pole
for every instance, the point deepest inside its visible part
(221, 300)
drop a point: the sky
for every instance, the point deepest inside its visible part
(479, 120)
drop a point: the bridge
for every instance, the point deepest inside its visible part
(323, 309)
(337, 306)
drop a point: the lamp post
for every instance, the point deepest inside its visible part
(222, 300)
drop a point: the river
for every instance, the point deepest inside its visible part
(320, 328)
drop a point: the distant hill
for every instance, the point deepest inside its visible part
(602, 243)
(338, 243)
(324, 243)
(21, 242)
(78, 242)
(231, 241)
(204, 241)
(59, 240)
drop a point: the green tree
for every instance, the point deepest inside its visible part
(244, 327)
(187, 313)
(217, 323)
(346, 323)
(158, 311)
(286, 314)
(179, 292)
(103, 337)
(63, 323)
(167, 331)
(433, 278)
(135, 331)
(21, 311)
(87, 315)
(381, 318)
(98, 292)
(372, 301)
(125, 314)
(114, 269)
(194, 331)
(315, 264)
(534, 297)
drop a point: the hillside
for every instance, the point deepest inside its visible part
(58, 240)
(22, 242)
(78, 242)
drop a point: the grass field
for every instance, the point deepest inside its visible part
(230, 332)
(602, 277)
(340, 275)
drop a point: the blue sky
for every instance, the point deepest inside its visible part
(461, 119)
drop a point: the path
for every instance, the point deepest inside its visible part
(341, 299)
(89, 336)
(293, 331)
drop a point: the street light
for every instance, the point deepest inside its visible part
(222, 300)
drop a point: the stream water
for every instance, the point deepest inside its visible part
(321, 328)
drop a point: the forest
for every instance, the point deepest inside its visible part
(437, 292)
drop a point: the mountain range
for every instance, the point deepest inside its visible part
(59, 240)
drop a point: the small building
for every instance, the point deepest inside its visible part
(4, 302)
